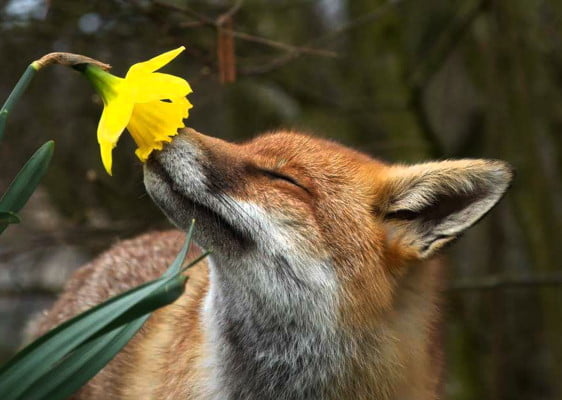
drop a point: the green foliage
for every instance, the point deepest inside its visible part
(7, 217)
(26, 181)
(3, 119)
(61, 361)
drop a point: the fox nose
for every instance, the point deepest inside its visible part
(166, 146)
(177, 144)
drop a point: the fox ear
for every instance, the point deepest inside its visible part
(431, 204)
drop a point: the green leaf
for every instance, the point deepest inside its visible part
(42, 355)
(82, 364)
(100, 331)
(26, 181)
(8, 217)
(196, 260)
(3, 119)
(175, 267)
(87, 359)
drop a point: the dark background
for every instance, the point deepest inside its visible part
(402, 80)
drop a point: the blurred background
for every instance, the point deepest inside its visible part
(402, 80)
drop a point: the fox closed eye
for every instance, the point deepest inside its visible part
(280, 176)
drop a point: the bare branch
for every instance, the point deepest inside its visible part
(217, 24)
(225, 51)
(364, 19)
(423, 74)
(491, 282)
(230, 13)
(445, 44)
(283, 46)
(374, 15)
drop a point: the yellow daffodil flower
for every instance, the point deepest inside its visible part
(151, 105)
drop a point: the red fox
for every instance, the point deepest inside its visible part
(320, 284)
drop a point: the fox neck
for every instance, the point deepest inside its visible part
(272, 332)
(270, 328)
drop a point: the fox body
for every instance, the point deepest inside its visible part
(321, 284)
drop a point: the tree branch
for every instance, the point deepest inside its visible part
(216, 24)
(436, 58)
(374, 15)
(445, 44)
(493, 282)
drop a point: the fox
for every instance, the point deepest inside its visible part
(324, 279)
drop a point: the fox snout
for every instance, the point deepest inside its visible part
(182, 180)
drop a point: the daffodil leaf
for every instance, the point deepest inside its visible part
(175, 267)
(36, 366)
(3, 119)
(192, 263)
(8, 217)
(82, 364)
(44, 354)
(87, 359)
(26, 181)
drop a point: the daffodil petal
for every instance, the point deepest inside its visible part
(113, 121)
(151, 105)
(154, 123)
(154, 63)
(157, 86)
(143, 153)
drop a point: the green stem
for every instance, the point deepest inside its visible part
(16, 94)
(104, 83)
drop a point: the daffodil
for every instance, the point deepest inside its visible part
(151, 105)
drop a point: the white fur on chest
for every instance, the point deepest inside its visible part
(270, 326)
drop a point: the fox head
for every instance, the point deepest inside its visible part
(289, 192)
(291, 196)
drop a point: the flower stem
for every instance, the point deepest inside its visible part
(67, 59)
(16, 94)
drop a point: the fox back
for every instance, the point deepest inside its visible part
(322, 282)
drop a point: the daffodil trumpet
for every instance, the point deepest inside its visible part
(150, 104)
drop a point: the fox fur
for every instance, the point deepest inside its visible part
(323, 282)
